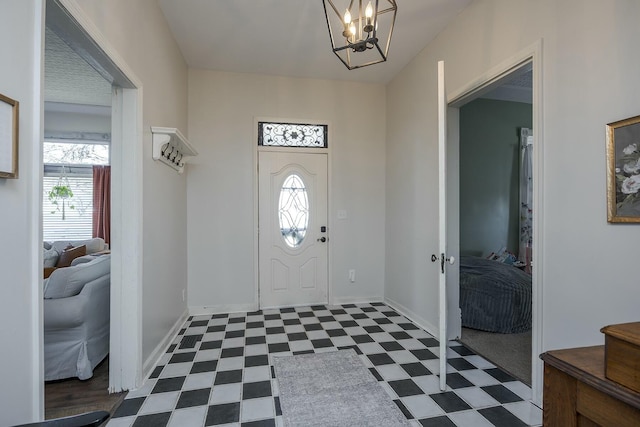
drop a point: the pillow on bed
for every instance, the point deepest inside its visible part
(509, 258)
(503, 256)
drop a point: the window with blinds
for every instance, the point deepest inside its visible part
(78, 210)
(68, 164)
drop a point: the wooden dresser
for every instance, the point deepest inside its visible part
(577, 393)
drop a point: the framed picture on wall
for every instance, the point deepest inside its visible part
(623, 170)
(8, 137)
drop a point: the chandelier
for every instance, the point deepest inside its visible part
(360, 36)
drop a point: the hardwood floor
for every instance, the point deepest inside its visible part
(72, 396)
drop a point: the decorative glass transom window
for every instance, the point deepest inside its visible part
(292, 135)
(293, 211)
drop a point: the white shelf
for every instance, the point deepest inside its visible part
(171, 147)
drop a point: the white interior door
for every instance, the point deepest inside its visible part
(292, 211)
(443, 256)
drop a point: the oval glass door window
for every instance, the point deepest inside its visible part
(293, 211)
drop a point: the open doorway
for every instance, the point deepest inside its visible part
(76, 231)
(92, 114)
(496, 209)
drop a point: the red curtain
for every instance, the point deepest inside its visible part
(102, 202)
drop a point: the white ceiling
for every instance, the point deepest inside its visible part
(70, 79)
(517, 87)
(290, 37)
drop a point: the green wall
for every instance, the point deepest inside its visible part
(489, 174)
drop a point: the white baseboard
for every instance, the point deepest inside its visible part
(220, 309)
(355, 300)
(161, 348)
(427, 326)
(242, 308)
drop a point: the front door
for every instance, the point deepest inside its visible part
(292, 211)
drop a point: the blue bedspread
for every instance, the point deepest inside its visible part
(494, 297)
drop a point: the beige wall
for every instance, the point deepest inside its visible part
(589, 78)
(21, 254)
(140, 35)
(222, 109)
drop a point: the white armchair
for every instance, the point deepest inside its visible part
(76, 319)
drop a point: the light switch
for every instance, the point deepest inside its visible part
(342, 214)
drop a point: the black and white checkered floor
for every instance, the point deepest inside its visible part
(218, 371)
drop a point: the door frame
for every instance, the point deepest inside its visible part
(482, 84)
(125, 349)
(256, 225)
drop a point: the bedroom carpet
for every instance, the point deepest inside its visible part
(333, 389)
(511, 352)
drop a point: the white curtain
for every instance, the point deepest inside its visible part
(526, 196)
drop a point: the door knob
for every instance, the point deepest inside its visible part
(322, 239)
(450, 260)
(442, 259)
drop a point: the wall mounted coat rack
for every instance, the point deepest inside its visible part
(171, 147)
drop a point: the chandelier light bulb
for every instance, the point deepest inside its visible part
(368, 12)
(347, 17)
(352, 30)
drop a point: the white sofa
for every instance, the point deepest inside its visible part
(76, 318)
(94, 245)
(53, 250)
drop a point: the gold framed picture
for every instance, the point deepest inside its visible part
(8, 137)
(623, 171)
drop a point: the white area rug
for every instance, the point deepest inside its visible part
(332, 389)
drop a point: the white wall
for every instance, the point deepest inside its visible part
(59, 121)
(139, 33)
(222, 108)
(411, 281)
(589, 78)
(20, 353)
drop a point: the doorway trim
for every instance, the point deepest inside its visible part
(256, 225)
(125, 353)
(485, 83)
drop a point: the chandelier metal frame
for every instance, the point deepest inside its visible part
(359, 34)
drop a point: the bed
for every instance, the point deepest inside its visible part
(494, 297)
